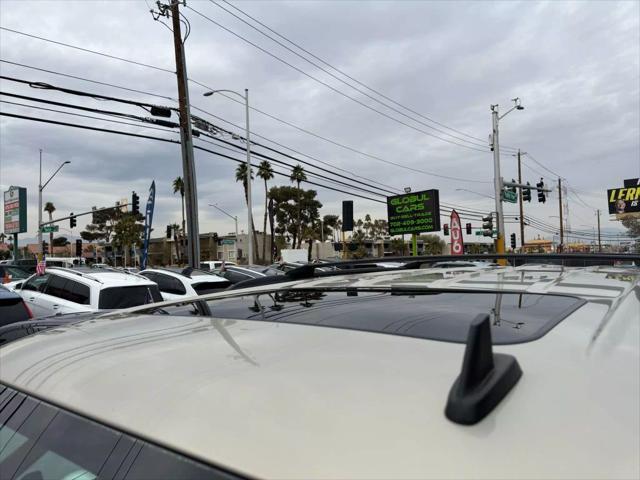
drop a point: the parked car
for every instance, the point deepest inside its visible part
(237, 274)
(12, 307)
(62, 290)
(10, 274)
(209, 265)
(524, 372)
(186, 283)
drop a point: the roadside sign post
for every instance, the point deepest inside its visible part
(15, 214)
(414, 213)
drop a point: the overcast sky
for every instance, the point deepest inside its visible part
(575, 66)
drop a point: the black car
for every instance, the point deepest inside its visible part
(12, 307)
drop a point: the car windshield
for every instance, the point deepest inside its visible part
(16, 273)
(443, 316)
(125, 297)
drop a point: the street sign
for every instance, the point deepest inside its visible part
(509, 196)
(228, 241)
(479, 233)
(15, 210)
(50, 228)
(414, 212)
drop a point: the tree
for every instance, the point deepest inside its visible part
(102, 226)
(289, 204)
(60, 242)
(433, 244)
(298, 176)
(265, 172)
(331, 222)
(178, 186)
(50, 208)
(128, 232)
(241, 176)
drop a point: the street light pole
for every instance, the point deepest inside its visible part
(40, 188)
(497, 179)
(245, 97)
(235, 218)
(249, 206)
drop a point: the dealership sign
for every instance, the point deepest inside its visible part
(457, 246)
(15, 210)
(414, 212)
(624, 202)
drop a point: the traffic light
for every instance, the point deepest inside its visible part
(169, 231)
(513, 189)
(541, 196)
(72, 220)
(513, 241)
(445, 229)
(135, 203)
(487, 226)
(526, 193)
(468, 225)
(78, 248)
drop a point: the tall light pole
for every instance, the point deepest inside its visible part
(40, 188)
(497, 179)
(235, 218)
(245, 97)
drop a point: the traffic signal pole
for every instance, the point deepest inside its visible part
(186, 141)
(497, 181)
(521, 204)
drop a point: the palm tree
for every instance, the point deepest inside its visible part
(265, 172)
(241, 176)
(178, 186)
(298, 176)
(50, 208)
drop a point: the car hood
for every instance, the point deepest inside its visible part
(290, 401)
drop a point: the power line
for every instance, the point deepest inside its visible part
(343, 73)
(113, 57)
(196, 108)
(339, 92)
(273, 117)
(484, 145)
(544, 167)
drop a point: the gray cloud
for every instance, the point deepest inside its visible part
(574, 64)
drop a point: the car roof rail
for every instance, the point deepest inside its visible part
(76, 272)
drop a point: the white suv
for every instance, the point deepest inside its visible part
(188, 283)
(62, 291)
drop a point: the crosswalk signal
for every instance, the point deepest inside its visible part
(487, 226)
(169, 232)
(72, 220)
(526, 193)
(445, 229)
(541, 196)
(468, 226)
(78, 248)
(513, 241)
(135, 203)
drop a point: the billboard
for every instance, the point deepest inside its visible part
(624, 200)
(15, 210)
(414, 212)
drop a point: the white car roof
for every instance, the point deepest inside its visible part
(193, 280)
(281, 400)
(104, 278)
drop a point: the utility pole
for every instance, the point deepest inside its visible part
(251, 259)
(497, 181)
(599, 242)
(560, 205)
(40, 249)
(521, 204)
(186, 141)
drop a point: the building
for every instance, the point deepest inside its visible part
(540, 245)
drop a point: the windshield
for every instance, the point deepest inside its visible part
(125, 297)
(16, 273)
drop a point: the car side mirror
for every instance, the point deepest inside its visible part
(18, 286)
